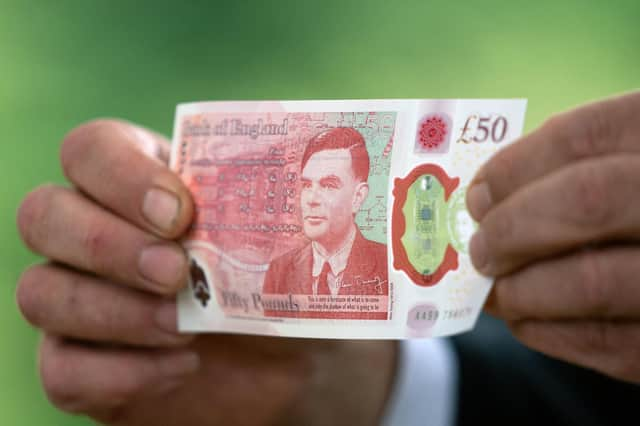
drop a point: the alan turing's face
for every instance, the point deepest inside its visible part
(328, 196)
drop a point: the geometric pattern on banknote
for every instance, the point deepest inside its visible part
(433, 134)
(422, 244)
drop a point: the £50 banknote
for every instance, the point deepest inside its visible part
(335, 219)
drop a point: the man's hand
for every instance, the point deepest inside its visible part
(105, 303)
(559, 215)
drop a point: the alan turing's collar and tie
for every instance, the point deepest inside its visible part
(337, 263)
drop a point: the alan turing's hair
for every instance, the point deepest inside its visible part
(341, 138)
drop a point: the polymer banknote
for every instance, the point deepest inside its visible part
(335, 219)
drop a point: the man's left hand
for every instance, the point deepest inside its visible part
(559, 215)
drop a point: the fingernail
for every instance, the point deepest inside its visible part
(179, 364)
(161, 208)
(167, 317)
(163, 264)
(479, 200)
(478, 252)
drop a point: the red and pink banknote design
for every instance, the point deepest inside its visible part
(336, 219)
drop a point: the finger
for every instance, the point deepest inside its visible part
(103, 158)
(153, 144)
(612, 348)
(570, 208)
(79, 306)
(606, 127)
(84, 379)
(599, 283)
(63, 225)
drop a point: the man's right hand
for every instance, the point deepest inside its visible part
(105, 303)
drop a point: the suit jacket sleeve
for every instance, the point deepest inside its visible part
(501, 382)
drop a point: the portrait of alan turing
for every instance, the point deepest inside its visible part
(336, 259)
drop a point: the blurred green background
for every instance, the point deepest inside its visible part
(65, 62)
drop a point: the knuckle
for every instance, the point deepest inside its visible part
(501, 168)
(123, 386)
(599, 132)
(95, 242)
(601, 338)
(108, 322)
(555, 124)
(128, 386)
(589, 131)
(54, 369)
(32, 217)
(499, 228)
(28, 297)
(595, 286)
(78, 144)
(592, 194)
(69, 301)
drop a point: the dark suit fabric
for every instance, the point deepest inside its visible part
(503, 383)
